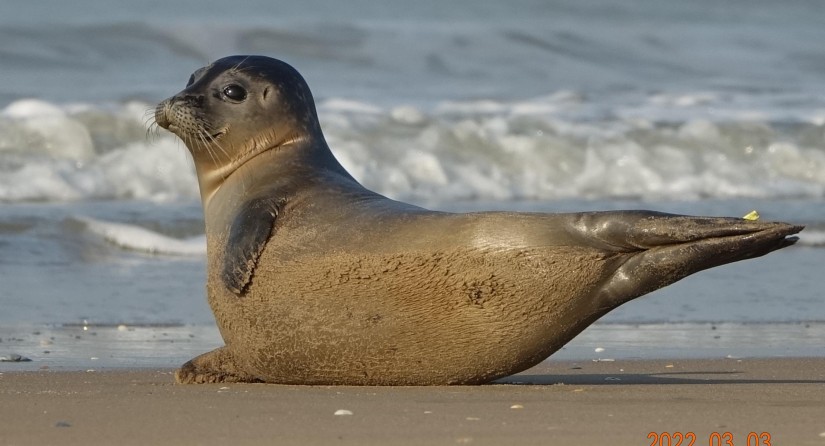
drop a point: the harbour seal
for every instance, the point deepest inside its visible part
(313, 279)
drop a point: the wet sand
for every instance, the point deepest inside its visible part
(584, 403)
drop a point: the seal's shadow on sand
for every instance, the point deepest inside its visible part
(668, 378)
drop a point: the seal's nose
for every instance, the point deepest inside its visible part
(165, 112)
(162, 114)
(193, 100)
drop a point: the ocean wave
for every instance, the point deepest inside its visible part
(558, 146)
(77, 152)
(136, 238)
(812, 237)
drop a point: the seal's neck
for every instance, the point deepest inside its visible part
(210, 181)
(295, 157)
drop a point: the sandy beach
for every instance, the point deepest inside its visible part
(621, 402)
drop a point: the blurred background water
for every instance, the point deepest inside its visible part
(700, 107)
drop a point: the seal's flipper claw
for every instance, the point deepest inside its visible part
(248, 235)
(217, 366)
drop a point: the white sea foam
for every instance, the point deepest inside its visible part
(137, 238)
(78, 152)
(552, 147)
(36, 126)
(812, 237)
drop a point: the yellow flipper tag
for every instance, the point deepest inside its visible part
(752, 216)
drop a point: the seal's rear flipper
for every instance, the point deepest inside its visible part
(656, 249)
(248, 235)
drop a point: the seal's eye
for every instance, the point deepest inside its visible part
(234, 92)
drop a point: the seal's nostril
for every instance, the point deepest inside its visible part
(194, 100)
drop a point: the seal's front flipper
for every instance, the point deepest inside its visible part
(248, 235)
(217, 366)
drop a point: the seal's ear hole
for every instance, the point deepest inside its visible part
(266, 93)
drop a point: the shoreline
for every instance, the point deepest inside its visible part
(619, 402)
(80, 347)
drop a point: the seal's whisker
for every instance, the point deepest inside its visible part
(220, 147)
(202, 137)
(187, 141)
(215, 143)
(152, 126)
(152, 132)
(149, 119)
(238, 65)
(209, 143)
(212, 140)
(226, 153)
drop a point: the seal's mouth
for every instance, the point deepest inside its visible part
(217, 135)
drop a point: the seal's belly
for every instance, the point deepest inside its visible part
(415, 317)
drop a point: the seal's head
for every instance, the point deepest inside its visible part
(238, 108)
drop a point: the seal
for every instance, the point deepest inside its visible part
(313, 279)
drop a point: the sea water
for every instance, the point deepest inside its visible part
(702, 107)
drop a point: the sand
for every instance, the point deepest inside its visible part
(583, 403)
